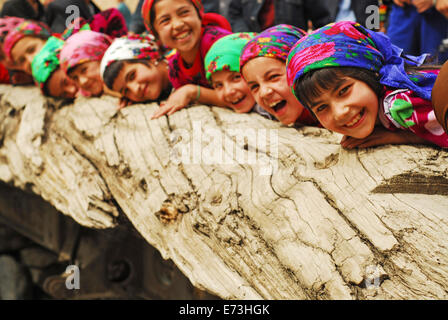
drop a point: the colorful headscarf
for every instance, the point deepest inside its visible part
(274, 42)
(130, 48)
(348, 44)
(147, 7)
(26, 28)
(7, 24)
(83, 47)
(110, 22)
(225, 53)
(46, 61)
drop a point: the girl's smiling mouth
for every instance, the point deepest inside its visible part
(356, 120)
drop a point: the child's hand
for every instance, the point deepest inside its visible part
(422, 5)
(442, 7)
(177, 100)
(401, 3)
(381, 136)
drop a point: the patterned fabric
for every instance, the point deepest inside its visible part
(180, 75)
(147, 7)
(83, 47)
(7, 24)
(404, 109)
(110, 22)
(348, 44)
(275, 42)
(130, 48)
(225, 53)
(46, 61)
(26, 28)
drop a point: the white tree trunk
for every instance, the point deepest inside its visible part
(326, 224)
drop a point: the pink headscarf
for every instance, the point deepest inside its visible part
(83, 47)
(26, 28)
(7, 24)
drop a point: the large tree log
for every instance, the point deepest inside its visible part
(323, 223)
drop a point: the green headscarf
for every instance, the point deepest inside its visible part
(225, 53)
(46, 61)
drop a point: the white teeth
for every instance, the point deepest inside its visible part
(273, 104)
(182, 36)
(354, 121)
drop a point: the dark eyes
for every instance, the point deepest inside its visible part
(217, 85)
(30, 49)
(344, 90)
(253, 87)
(321, 108)
(236, 77)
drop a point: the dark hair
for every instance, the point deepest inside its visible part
(313, 83)
(111, 72)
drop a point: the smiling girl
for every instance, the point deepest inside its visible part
(262, 65)
(80, 59)
(47, 73)
(182, 25)
(135, 67)
(222, 65)
(354, 79)
(24, 42)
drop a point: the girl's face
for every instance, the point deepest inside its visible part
(24, 52)
(350, 108)
(139, 82)
(266, 78)
(87, 77)
(61, 86)
(233, 90)
(177, 24)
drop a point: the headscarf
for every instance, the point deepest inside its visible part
(110, 22)
(83, 47)
(274, 42)
(440, 97)
(46, 61)
(348, 44)
(7, 24)
(26, 28)
(207, 18)
(225, 53)
(130, 48)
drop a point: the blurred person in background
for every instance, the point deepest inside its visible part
(419, 26)
(58, 19)
(27, 9)
(258, 15)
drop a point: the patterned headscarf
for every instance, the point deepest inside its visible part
(129, 48)
(274, 42)
(26, 28)
(147, 7)
(225, 53)
(46, 61)
(7, 24)
(348, 44)
(83, 47)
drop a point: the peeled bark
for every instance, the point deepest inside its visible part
(326, 223)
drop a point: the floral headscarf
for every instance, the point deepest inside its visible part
(348, 44)
(130, 48)
(7, 24)
(26, 28)
(274, 42)
(225, 53)
(46, 61)
(83, 47)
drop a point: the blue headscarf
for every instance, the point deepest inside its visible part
(348, 44)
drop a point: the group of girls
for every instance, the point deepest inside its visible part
(342, 77)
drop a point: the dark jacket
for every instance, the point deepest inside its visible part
(56, 15)
(22, 9)
(243, 14)
(358, 7)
